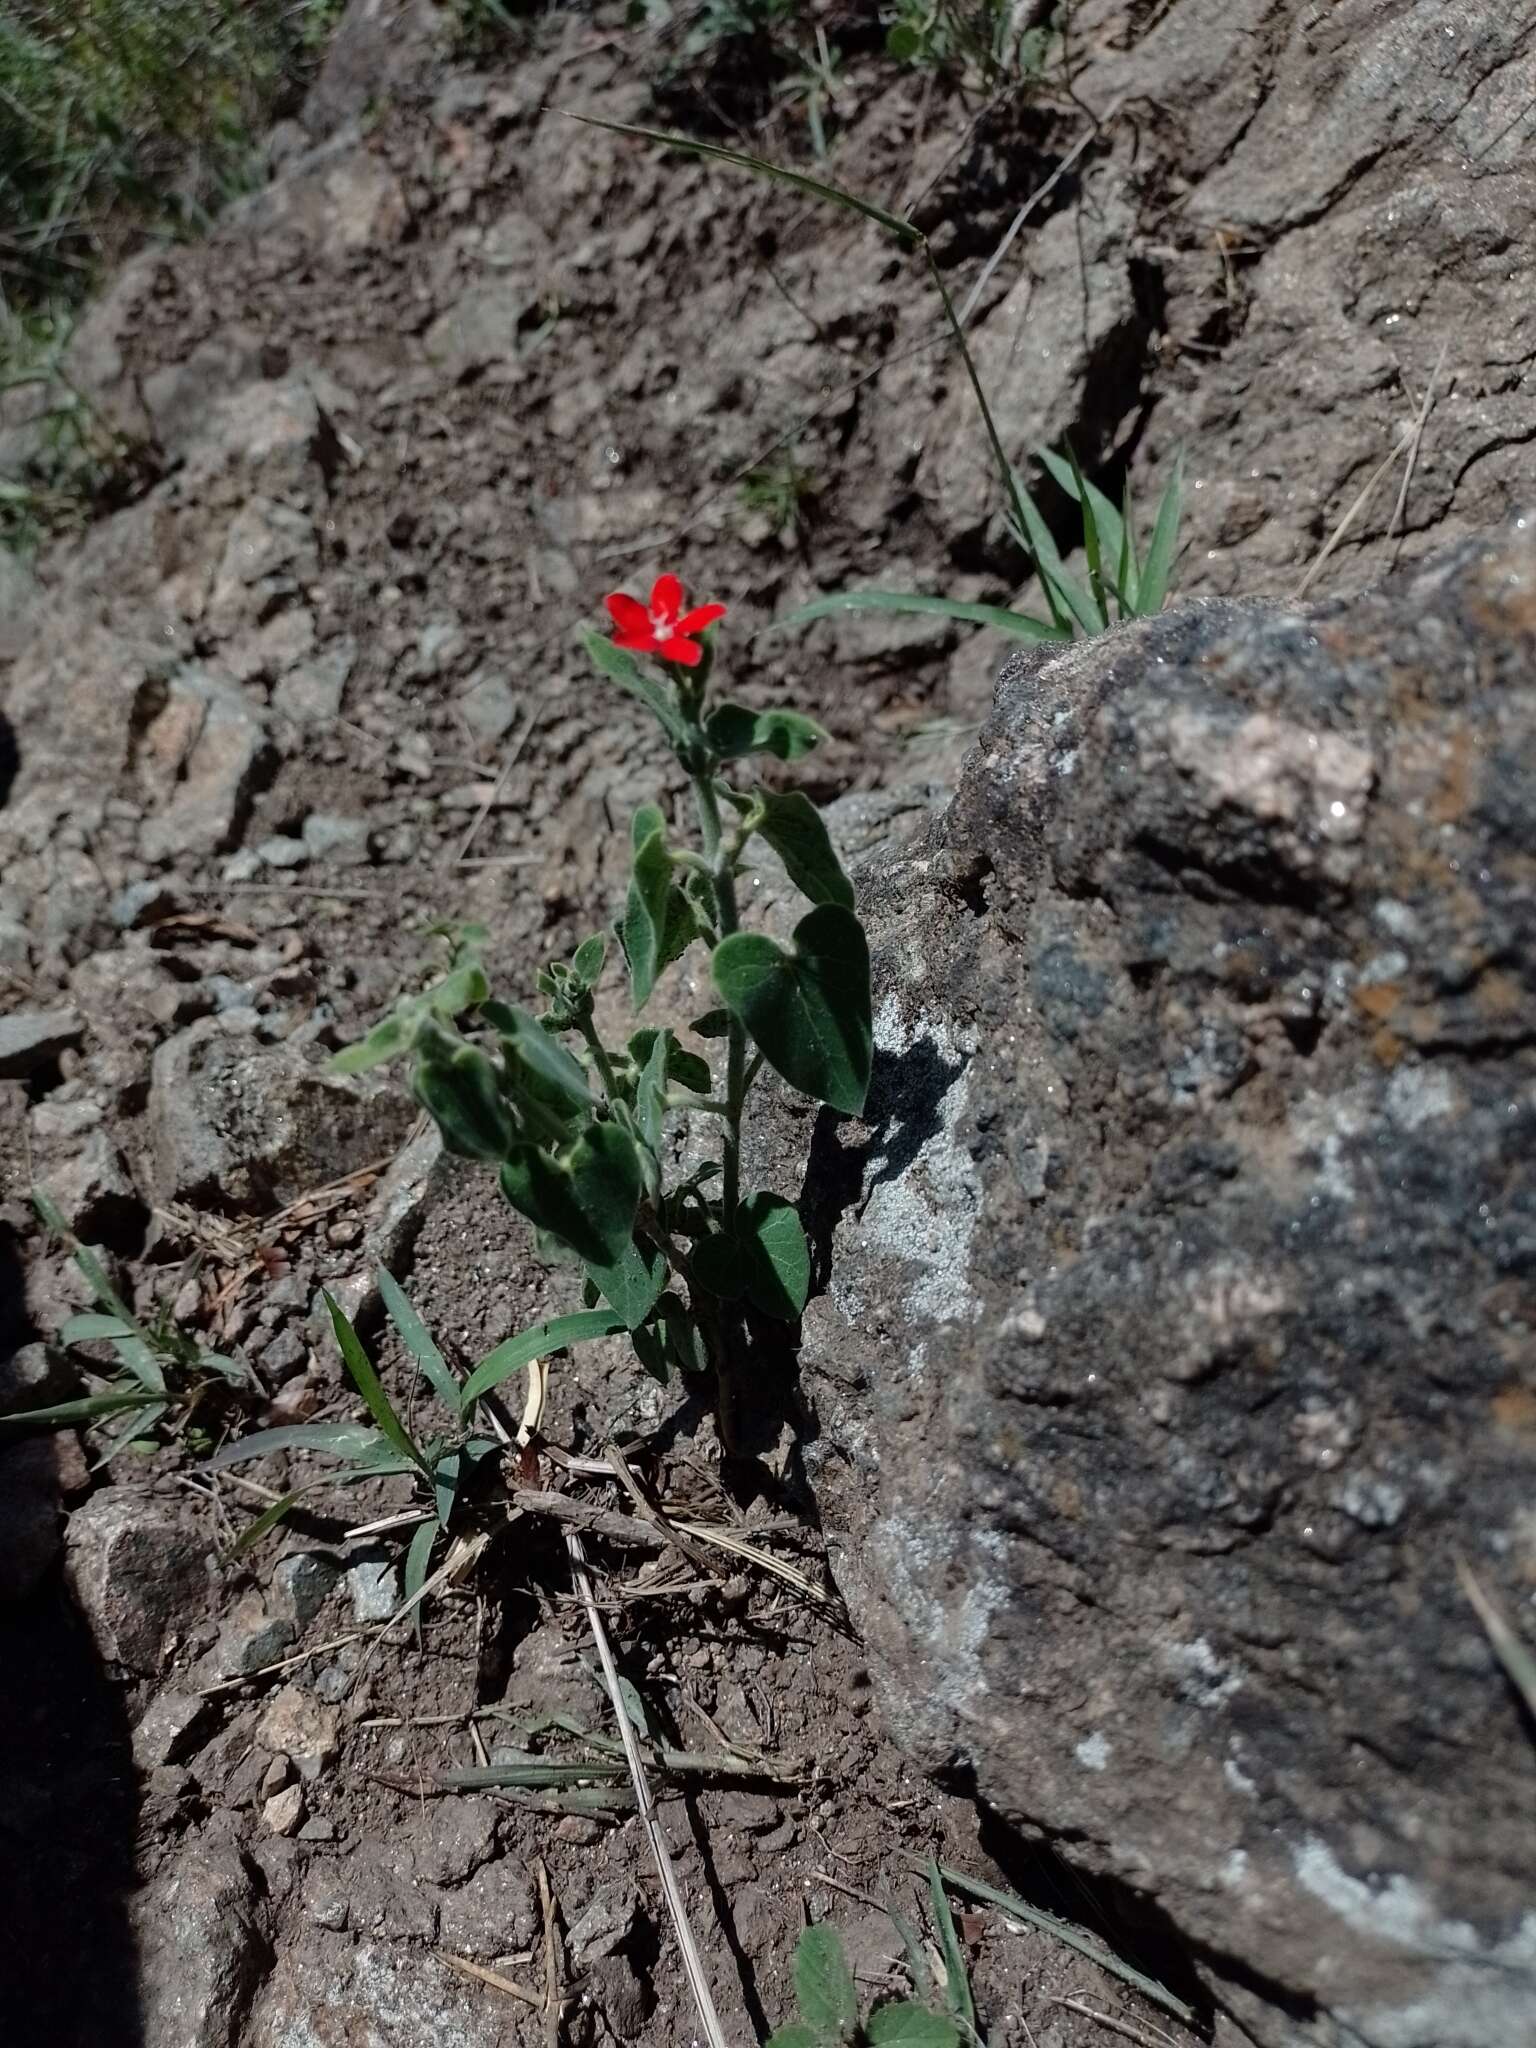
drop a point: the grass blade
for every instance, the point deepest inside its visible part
(1513, 1653)
(267, 1520)
(957, 1985)
(86, 1409)
(1110, 520)
(350, 1440)
(418, 1340)
(368, 1384)
(903, 230)
(1090, 542)
(1129, 579)
(1065, 593)
(1161, 548)
(522, 1350)
(1071, 1937)
(90, 1329)
(417, 1558)
(1018, 623)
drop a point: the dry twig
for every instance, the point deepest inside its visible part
(693, 1965)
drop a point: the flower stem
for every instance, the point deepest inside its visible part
(728, 920)
(600, 1058)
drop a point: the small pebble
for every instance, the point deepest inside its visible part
(283, 1813)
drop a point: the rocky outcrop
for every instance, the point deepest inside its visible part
(1180, 1328)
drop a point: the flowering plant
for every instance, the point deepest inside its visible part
(576, 1133)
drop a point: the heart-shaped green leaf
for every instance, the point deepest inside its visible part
(632, 1284)
(720, 1263)
(794, 828)
(779, 1269)
(807, 1010)
(732, 730)
(587, 1194)
(766, 1258)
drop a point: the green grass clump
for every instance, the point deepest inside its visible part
(977, 42)
(123, 115)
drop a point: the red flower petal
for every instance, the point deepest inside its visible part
(666, 600)
(641, 641)
(629, 614)
(686, 653)
(701, 616)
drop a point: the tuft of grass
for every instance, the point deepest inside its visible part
(77, 462)
(980, 44)
(162, 1375)
(124, 116)
(782, 493)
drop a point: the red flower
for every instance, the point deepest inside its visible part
(663, 628)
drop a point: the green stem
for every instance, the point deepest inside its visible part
(728, 919)
(600, 1058)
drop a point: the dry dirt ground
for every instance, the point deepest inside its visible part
(463, 366)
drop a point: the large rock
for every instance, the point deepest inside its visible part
(237, 1124)
(202, 1949)
(137, 1573)
(1181, 1322)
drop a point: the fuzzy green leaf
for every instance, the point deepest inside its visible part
(808, 1009)
(561, 1079)
(720, 1262)
(651, 1352)
(794, 828)
(910, 2026)
(623, 669)
(732, 731)
(460, 1090)
(683, 1067)
(587, 1194)
(797, 2035)
(824, 1986)
(368, 1384)
(779, 1272)
(713, 1024)
(631, 1285)
(384, 1042)
(516, 1352)
(587, 960)
(1019, 624)
(645, 915)
(651, 1093)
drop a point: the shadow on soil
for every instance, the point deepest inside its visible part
(68, 1802)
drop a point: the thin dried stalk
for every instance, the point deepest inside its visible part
(698, 1983)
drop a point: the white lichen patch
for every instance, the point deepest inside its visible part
(1276, 771)
(1203, 1678)
(910, 1558)
(1093, 1752)
(1421, 1095)
(925, 1214)
(1482, 1992)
